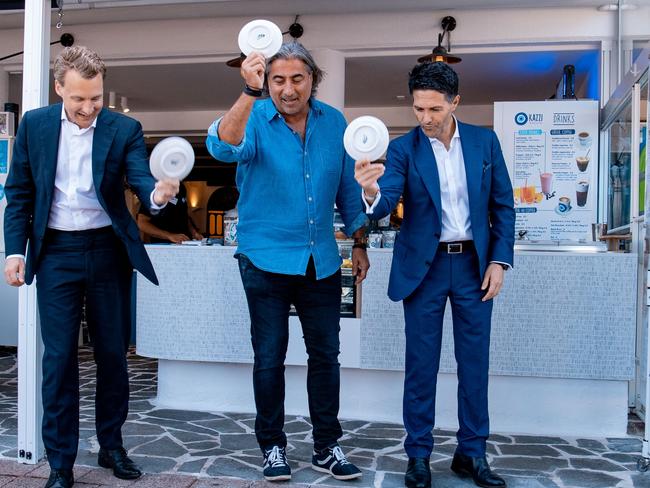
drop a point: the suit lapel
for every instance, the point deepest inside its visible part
(50, 130)
(102, 140)
(425, 162)
(473, 164)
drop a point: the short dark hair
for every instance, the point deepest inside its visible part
(295, 50)
(434, 76)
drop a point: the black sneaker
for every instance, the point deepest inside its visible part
(276, 467)
(332, 460)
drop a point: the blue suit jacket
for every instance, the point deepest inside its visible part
(118, 151)
(411, 171)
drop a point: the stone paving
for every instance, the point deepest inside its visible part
(199, 450)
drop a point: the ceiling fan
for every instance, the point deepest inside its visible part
(295, 30)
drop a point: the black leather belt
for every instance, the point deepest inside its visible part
(457, 247)
(87, 232)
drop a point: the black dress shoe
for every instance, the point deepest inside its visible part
(60, 478)
(418, 474)
(478, 468)
(119, 462)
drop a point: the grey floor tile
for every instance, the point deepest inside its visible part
(590, 479)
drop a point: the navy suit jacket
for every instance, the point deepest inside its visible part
(411, 171)
(118, 151)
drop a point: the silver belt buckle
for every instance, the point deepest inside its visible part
(455, 248)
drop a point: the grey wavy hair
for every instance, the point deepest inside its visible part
(295, 50)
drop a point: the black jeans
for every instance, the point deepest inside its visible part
(317, 302)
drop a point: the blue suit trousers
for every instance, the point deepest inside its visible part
(453, 277)
(76, 267)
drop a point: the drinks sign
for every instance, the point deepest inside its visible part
(551, 150)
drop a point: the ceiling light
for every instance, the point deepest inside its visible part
(111, 99)
(439, 53)
(125, 105)
(612, 7)
(400, 98)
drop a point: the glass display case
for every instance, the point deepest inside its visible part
(624, 136)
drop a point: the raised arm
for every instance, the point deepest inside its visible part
(233, 125)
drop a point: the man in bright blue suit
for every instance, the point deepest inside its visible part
(455, 242)
(66, 208)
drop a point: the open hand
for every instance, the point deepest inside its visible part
(360, 264)
(493, 281)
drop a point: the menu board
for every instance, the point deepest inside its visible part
(551, 150)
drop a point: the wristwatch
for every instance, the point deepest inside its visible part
(360, 243)
(505, 267)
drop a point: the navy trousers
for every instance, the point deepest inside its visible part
(91, 265)
(453, 276)
(318, 304)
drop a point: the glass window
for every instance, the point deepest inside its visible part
(619, 136)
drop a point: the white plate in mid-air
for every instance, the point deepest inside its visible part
(172, 158)
(366, 138)
(260, 35)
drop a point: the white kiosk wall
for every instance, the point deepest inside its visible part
(8, 295)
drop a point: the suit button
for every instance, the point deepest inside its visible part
(427, 263)
(437, 236)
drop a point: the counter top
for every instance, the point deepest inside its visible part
(559, 315)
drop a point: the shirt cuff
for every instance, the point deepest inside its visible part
(370, 208)
(154, 207)
(16, 256)
(213, 131)
(501, 262)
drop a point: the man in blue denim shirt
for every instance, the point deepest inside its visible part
(292, 170)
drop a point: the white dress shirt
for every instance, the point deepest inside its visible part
(74, 203)
(456, 225)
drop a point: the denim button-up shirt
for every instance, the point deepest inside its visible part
(288, 189)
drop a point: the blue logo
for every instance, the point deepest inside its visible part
(521, 118)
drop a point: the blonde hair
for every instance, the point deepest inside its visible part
(81, 59)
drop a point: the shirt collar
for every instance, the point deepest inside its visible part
(64, 117)
(271, 112)
(455, 136)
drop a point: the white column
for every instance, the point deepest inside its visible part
(332, 89)
(4, 87)
(607, 71)
(36, 63)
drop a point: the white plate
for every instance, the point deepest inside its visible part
(262, 36)
(172, 158)
(366, 138)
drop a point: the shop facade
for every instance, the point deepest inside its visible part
(566, 327)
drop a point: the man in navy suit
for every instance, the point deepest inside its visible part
(66, 207)
(455, 243)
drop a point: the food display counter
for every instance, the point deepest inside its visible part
(562, 350)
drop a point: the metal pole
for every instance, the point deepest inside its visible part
(644, 461)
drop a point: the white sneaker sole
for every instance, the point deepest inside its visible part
(337, 476)
(281, 477)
